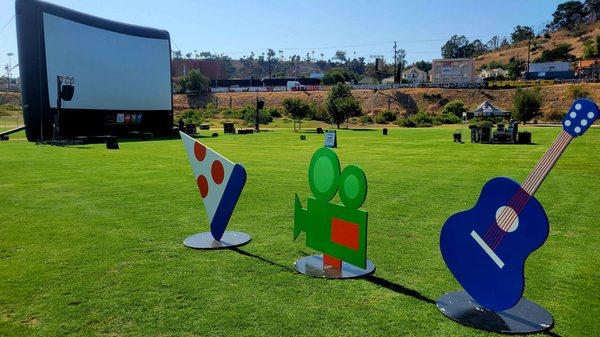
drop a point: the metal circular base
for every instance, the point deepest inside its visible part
(206, 241)
(313, 266)
(525, 317)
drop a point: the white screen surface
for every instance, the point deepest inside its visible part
(112, 71)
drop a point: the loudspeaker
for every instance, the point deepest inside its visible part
(66, 92)
(111, 143)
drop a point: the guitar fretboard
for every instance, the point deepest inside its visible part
(543, 167)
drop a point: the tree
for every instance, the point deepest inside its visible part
(340, 55)
(455, 107)
(455, 47)
(592, 7)
(559, 53)
(194, 81)
(177, 55)
(522, 33)
(341, 104)
(338, 75)
(297, 108)
(400, 64)
(475, 48)
(514, 67)
(423, 65)
(526, 104)
(356, 65)
(493, 43)
(568, 15)
(589, 50)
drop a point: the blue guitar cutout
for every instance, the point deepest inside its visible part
(486, 247)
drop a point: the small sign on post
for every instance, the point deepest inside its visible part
(330, 139)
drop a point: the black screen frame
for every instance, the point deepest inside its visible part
(37, 113)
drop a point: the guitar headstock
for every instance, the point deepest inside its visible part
(582, 114)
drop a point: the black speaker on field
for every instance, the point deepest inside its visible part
(111, 143)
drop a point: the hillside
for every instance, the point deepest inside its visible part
(555, 98)
(520, 49)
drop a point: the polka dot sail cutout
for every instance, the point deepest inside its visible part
(220, 182)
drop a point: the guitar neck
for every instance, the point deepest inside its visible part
(543, 167)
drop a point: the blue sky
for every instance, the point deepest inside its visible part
(237, 27)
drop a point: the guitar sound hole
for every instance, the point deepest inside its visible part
(507, 219)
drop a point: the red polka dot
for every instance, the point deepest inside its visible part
(202, 185)
(217, 172)
(199, 151)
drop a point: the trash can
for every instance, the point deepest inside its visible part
(385, 131)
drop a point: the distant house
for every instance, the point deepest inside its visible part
(550, 70)
(414, 75)
(316, 75)
(388, 80)
(495, 73)
(453, 71)
(588, 69)
(367, 80)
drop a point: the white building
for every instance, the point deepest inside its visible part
(453, 71)
(414, 75)
(496, 72)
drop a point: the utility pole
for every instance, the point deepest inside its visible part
(395, 63)
(9, 70)
(528, 54)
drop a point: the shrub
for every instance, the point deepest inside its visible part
(448, 118)
(380, 119)
(526, 104)
(554, 116)
(319, 113)
(274, 112)
(365, 119)
(192, 116)
(249, 113)
(421, 119)
(576, 91)
(210, 111)
(456, 107)
(233, 113)
(389, 115)
(406, 122)
(385, 117)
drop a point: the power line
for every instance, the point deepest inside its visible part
(7, 23)
(353, 46)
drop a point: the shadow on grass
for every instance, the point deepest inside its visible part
(361, 129)
(398, 288)
(550, 333)
(262, 259)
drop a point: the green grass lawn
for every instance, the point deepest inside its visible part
(91, 239)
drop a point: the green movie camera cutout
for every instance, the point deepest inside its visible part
(338, 231)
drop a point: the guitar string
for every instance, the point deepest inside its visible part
(492, 230)
(522, 196)
(537, 180)
(549, 158)
(506, 219)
